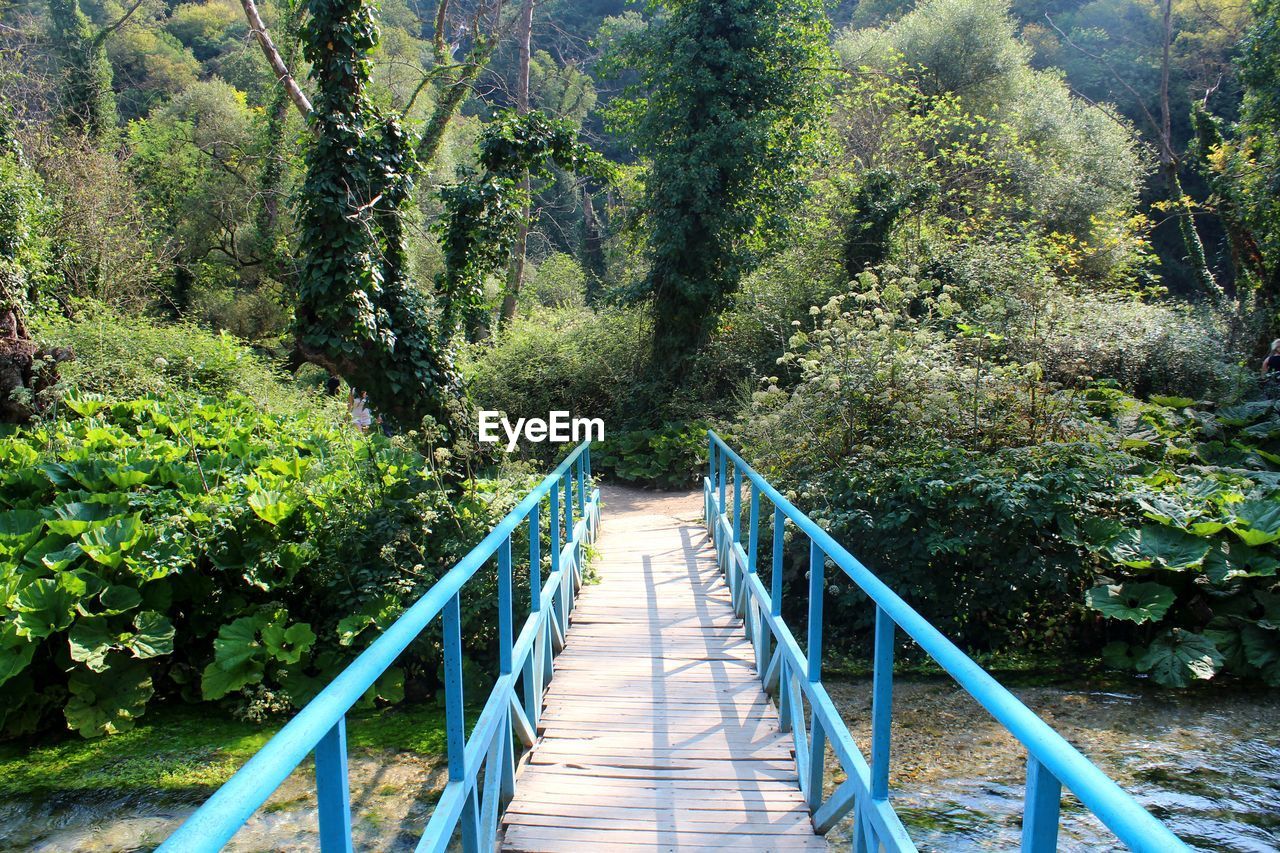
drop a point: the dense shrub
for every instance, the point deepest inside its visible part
(1146, 348)
(212, 550)
(986, 546)
(585, 362)
(128, 357)
(673, 455)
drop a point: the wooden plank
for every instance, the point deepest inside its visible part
(673, 822)
(575, 838)
(579, 808)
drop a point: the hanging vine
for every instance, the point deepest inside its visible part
(484, 209)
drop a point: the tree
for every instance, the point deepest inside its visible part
(947, 94)
(1242, 162)
(515, 272)
(729, 99)
(87, 97)
(1148, 58)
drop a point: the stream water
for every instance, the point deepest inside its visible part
(1207, 762)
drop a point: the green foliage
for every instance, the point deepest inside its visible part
(1197, 574)
(208, 550)
(671, 456)
(122, 358)
(23, 246)
(87, 96)
(729, 99)
(484, 209)
(357, 314)
(586, 362)
(944, 116)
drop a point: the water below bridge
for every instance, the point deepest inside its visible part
(1208, 763)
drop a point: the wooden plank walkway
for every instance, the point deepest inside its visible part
(656, 733)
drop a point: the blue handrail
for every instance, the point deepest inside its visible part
(1052, 762)
(525, 661)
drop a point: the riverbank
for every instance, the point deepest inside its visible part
(128, 792)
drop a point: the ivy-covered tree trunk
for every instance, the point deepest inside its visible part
(88, 99)
(732, 93)
(357, 315)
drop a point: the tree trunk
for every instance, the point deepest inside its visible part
(515, 272)
(1169, 165)
(593, 262)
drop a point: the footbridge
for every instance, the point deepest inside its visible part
(670, 706)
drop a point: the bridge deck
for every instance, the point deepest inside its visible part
(656, 734)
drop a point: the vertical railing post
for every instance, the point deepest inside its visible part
(333, 796)
(775, 576)
(817, 583)
(711, 459)
(532, 667)
(1040, 812)
(582, 485)
(881, 704)
(753, 530)
(737, 504)
(568, 505)
(504, 607)
(455, 725)
(555, 529)
(535, 557)
(721, 482)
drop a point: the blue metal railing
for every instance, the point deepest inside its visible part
(525, 661)
(795, 676)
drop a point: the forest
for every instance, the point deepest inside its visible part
(984, 286)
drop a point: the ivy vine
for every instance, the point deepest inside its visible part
(484, 209)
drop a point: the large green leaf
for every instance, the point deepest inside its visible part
(119, 598)
(1153, 546)
(107, 544)
(237, 643)
(46, 606)
(1261, 645)
(107, 702)
(217, 681)
(19, 530)
(1237, 560)
(271, 507)
(90, 642)
(129, 476)
(1258, 522)
(1134, 602)
(1179, 657)
(75, 518)
(287, 645)
(1246, 413)
(153, 635)
(15, 651)
(61, 559)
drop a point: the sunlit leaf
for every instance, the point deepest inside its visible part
(1179, 657)
(1134, 602)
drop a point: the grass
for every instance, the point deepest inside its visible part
(177, 749)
